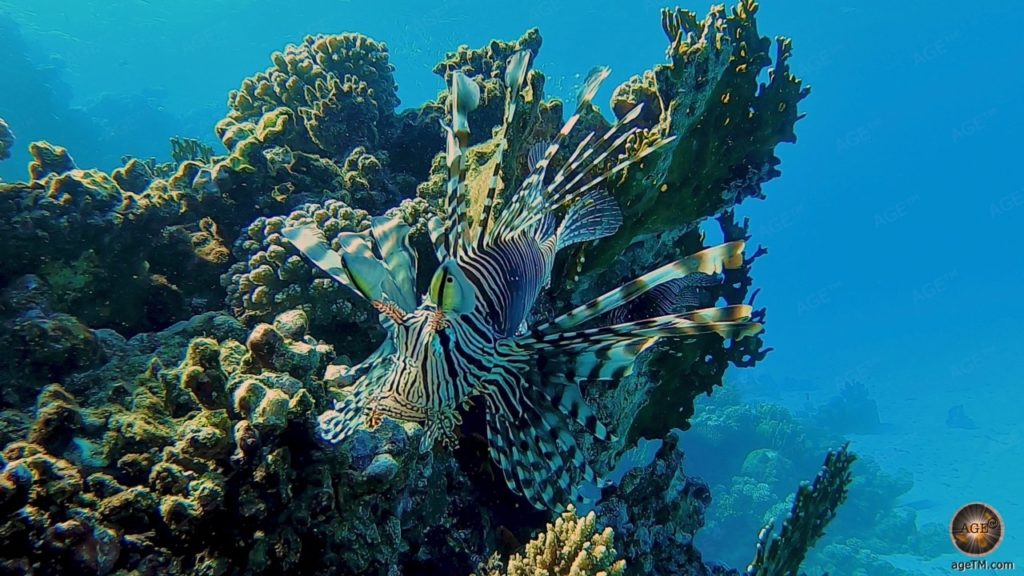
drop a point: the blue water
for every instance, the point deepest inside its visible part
(894, 258)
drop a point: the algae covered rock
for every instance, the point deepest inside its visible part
(135, 476)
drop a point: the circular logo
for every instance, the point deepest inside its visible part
(977, 529)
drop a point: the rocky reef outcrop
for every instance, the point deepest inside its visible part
(167, 352)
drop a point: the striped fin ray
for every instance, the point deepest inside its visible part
(436, 229)
(610, 352)
(726, 321)
(588, 148)
(689, 292)
(572, 190)
(464, 97)
(355, 266)
(515, 76)
(594, 216)
(565, 394)
(538, 456)
(527, 194)
(710, 261)
(548, 197)
(391, 239)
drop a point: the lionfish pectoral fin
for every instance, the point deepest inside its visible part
(709, 261)
(391, 239)
(594, 216)
(565, 394)
(465, 94)
(539, 457)
(354, 266)
(339, 423)
(309, 241)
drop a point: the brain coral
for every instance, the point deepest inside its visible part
(341, 88)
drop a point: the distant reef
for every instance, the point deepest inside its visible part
(166, 352)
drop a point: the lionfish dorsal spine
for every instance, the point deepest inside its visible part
(516, 73)
(526, 196)
(464, 97)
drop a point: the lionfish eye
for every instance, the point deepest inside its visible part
(451, 291)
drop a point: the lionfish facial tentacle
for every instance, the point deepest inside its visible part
(390, 310)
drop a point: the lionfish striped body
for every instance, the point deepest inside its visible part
(470, 337)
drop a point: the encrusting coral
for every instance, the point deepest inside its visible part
(138, 474)
(570, 546)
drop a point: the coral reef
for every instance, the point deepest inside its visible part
(726, 125)
(270, 277)
(570, 546)
(339, 90)
(142, 431)
(655, 511)
(138, 475)
(760, 451)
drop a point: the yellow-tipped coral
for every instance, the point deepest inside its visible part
(571, 546)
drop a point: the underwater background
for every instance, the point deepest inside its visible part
(892, 273)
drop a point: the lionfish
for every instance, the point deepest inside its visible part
(472, 336)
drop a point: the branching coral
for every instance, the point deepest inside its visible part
(571, 546)
(726, 126)
(814, 508)
(656, 511)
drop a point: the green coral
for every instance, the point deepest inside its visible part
(220, 443)
(726, 126)
(271, 277)
(185, 149)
